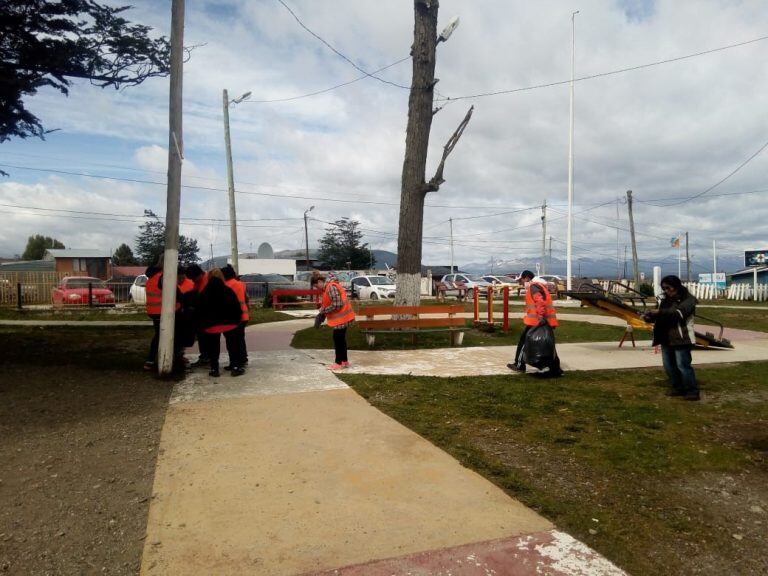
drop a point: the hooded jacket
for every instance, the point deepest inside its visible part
(674, 324)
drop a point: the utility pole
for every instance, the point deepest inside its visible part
(569, 246)
(544, 237)
(714, 257)
(306, 234)
(635, 271)
(230, 185)
(165, 355)
(450, 221)
(687, 260)
(550, 250)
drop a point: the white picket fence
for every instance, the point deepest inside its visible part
(747, 292)
(733, 292)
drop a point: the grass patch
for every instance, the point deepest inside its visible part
(311, 338)
(609, 446)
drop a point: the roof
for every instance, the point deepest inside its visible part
(54, 253)
(749, 271)
(28, 266)
(127, 271)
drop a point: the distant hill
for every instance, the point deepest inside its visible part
(384, 258)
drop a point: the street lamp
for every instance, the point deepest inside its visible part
(569, 243)
(306, 234)
(230, 176)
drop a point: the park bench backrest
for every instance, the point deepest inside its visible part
(415, 321)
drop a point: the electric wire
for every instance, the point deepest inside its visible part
(604, 74)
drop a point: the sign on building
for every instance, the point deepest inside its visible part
(717, 279)
(756, 257)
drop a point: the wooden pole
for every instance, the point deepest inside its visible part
(635, 270)
(173, 204)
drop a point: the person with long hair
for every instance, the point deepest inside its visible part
(673, 331)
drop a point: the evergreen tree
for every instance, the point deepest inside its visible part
(123, 256)
(340, 247)
(150, 243)
(47, 43)
(37, 245)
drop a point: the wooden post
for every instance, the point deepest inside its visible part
(476, 306)
(505, 321)
(489, 302)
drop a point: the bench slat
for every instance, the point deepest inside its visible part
(396, 310)
(413, 323)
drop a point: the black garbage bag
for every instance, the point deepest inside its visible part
(539, 347)
(319, 319)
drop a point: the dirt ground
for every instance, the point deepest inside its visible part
(80, 426)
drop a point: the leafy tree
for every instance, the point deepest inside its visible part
(123, 256)
(47, 43)
(340, 246)
(37, 245)
(150, 243)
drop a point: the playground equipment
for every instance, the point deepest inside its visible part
(490, 291)
(628, 304)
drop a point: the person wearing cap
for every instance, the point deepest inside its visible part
(539, 310)
(337, 311)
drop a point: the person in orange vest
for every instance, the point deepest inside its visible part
(153, 307)
(337, 311)
(235, 339)
(219, 313)
(538, 310)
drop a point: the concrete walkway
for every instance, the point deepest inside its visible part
(287, 471)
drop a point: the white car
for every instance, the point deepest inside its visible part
(138, 293)
(467, 281)
(373, 288)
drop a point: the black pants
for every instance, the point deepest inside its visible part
(340, 344)
(178, 347)
(235, 339)
(554, 365)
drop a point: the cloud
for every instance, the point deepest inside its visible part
(666, 131)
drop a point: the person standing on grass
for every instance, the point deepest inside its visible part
(539, 310)
(673, 331)
(337, 311)
(238, 352)
(219, 313)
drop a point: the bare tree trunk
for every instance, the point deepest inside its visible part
(413, 191)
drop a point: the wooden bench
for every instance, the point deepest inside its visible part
(414, 323)
(296, 292)
(443, 288)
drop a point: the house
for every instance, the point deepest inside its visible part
(748, 276)
(95, 263)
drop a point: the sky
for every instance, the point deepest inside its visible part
(668, 132)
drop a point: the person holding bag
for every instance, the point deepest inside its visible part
(539, 312)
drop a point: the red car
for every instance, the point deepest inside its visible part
(73, 290)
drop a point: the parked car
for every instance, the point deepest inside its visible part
(554, 283)
(468, 281)
(73, 290)
(373, 288)
(500, 280)
(258, 285)
(138, 292)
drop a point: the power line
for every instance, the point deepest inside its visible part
(734, 171)
(335, 51)
(324, 90)
(247, 192)
(603, 74)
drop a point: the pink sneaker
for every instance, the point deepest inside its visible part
(345, 364)
(335, 366)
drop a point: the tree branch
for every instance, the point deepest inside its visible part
(434, 184)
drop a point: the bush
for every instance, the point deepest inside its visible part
(646, 289)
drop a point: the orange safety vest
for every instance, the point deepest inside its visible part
(238, 288)
(343, 315)
(186, 286)
(531, 317)
(154, 304)
(154, 294)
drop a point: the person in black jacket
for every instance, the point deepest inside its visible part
(673, 331)
(218, 313)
